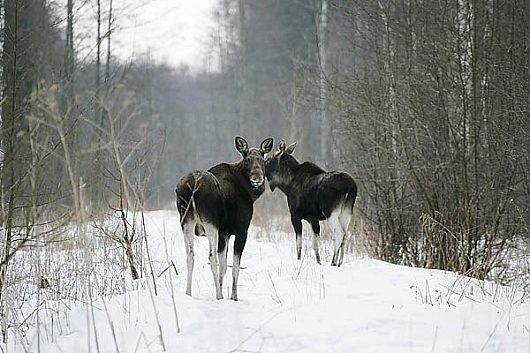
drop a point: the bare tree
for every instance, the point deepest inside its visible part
(421, 114)
(324, 124)
(69, 57)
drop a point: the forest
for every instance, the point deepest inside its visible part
(425, 103)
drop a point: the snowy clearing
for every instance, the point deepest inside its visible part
(289, 306)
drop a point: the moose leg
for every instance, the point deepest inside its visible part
(187, 230)
(315, 225)
(239, 245)
(297, 225)
(338, 236)
(222, 251)
(212, 234)
(342, 248)
(344, 220)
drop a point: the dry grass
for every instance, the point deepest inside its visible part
(271, 213)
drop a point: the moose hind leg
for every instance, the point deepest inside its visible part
(338, 236)
(213, 235)
(222, 252)
(187, 230)
(344, 220)
(315, 226)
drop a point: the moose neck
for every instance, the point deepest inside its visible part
(289, 168)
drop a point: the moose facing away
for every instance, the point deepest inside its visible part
(313, 195)
(218, 203)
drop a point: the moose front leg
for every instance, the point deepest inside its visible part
(239, 245)
(297, 225)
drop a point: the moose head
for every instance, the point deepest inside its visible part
(253, 163)
(275, 165)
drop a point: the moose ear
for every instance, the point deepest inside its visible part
(281, 146)
(291, 148)
(241, 145)
(266, 145)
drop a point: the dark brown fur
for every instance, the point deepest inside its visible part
(313, 195)
(223, 197)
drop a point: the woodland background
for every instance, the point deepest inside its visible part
(426, 103)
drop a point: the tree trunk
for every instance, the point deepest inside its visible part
(98, 56)
(109, 31)
(130, 259)
(9, 116)
(69, 64)
(324, 124)
(107, 66)
(242, 70)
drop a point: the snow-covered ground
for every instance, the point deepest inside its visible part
(290, 306)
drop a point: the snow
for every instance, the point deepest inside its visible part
(288, 305)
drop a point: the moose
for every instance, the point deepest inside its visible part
(313, 195)
(218, 203)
